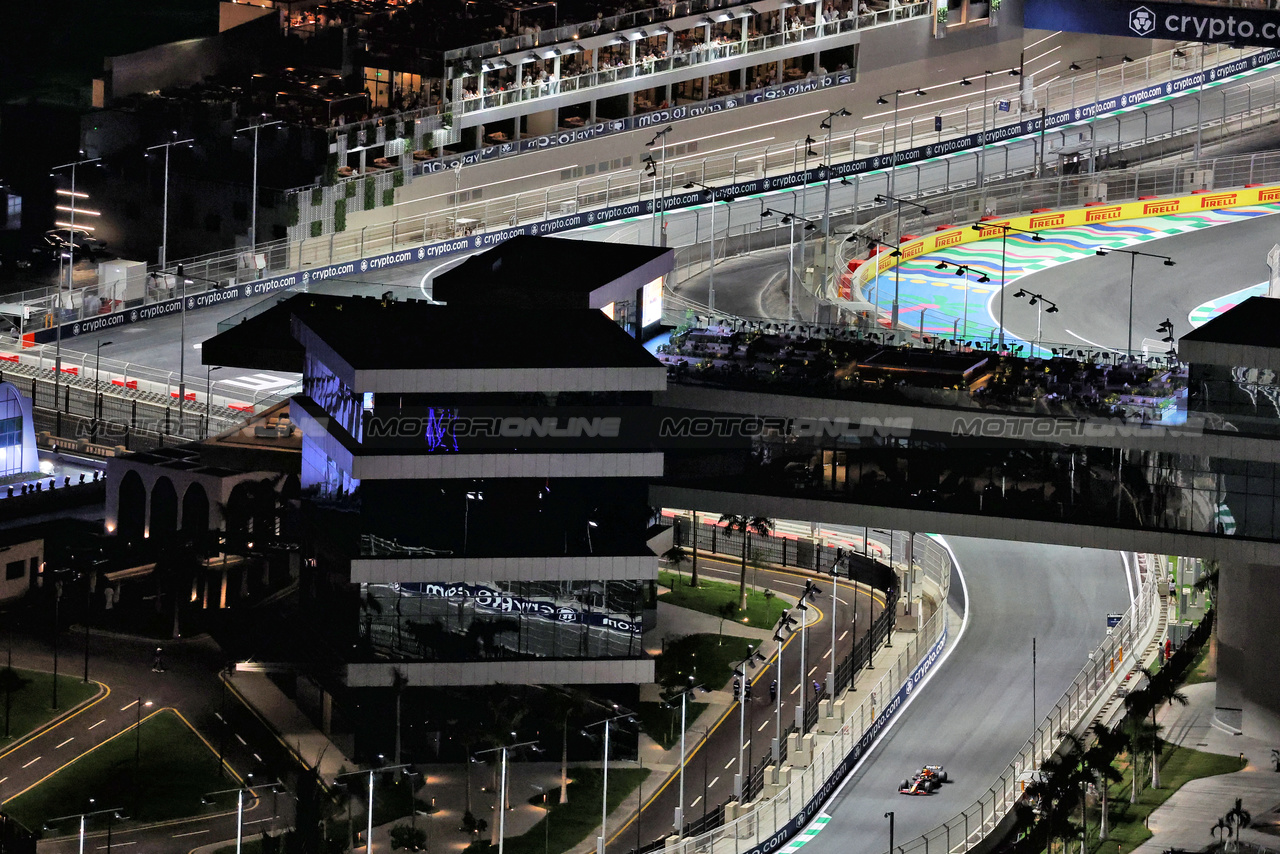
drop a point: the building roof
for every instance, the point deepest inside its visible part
(371, 334)
(543, 270)
(1244, 335)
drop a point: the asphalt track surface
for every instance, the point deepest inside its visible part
(975, 714)
(1093, 293)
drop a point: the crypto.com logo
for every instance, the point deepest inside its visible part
(1141, 21)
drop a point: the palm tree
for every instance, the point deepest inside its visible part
(675, 556)
(398, 683)
(693, 551)
(1139, 736)
(1162, 690)
(746, 525)
(566, 703)
(1099, 758)
(1208, 583)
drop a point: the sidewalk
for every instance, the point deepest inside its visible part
(1184, 821)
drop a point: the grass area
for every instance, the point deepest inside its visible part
(1178, 766)
(1205, 666)
(710, 659)
(176, 770)
(663, 725)
(31, 698)
(711, 597)
(567, 825)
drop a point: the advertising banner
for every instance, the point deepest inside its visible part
(1199, 22)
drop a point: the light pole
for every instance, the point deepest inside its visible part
(256, 127)
(924, 211)
(474, 495)
(831, 672)
(368, 839)
(1042, 305)
(1097, 68)
(711, 270)
(114, 812)
(659, 188)
(137, 753)
(164, 216)
(883, 101)
(786, 623)
(1133, 261)
(502, 789)
(790, 219)
(208, 396)
(97, 385)
(740, 672)
(889, 815)
(240, 790)
(826, 124)
(963, 270)
(810, 591)
(603, 838)
(894, 252)
(684, 753)
(982, 139)
(71, 263)
(1005, 228)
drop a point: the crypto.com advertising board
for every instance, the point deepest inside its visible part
(1197, 22)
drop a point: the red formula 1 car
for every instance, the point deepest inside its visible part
(927, 781)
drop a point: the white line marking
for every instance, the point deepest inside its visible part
(1091, 343)
(758, 729)
(2, 779)
(100, 723)
(728, 765)
(843, 635)
(713, 782)
(240, 739)
(812, 669)
(695, 802)
(128, 707)
(190, 833)
(116, 845)
(68, 741)
(826, 654)
(32, 762)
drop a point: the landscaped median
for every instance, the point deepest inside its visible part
(26, 698)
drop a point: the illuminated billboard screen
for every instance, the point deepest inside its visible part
(1198, 21)
(651, 304)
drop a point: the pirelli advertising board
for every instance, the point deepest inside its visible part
(1089, 215)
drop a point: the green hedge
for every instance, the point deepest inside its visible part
(340, 215)
(350, 191)
(370, 194)
(331, 169)
(388, 197)
(294, 206)
(397, 178)
(317, 228)
(317, 197)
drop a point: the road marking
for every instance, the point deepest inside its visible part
(795, 689)
(68, 741)
(760, 729)
(826, 654)
(190, 833)
(32, 762)
(713, 782)
(128, 707)
(3, 779)
(116, 845)
(100, 723)
(695, 802)
(240, 739)
(812, 669)
(257, 382)
(843, 636)
(728, 764)
(807, 835)
(257, 820)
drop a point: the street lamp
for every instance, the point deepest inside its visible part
(247, 786)
(786, 623)
(474, 495)
(826, 124)
(924, 211)
(1005, 228)
(711, 270)
(97, 385)
(982, 140)
(208, 396)
(71, 262)
(502, 791)
(889, 815)
(1097, 61)
(603, 838)
(964, 270)
(1133, 261)
(790, 219)
(1166, 331)
(113, 812)
(894, 252)
(659, 213)
(684, 754)
(137, 752)
(1042, 305)
(164, 216)
(253, 206)
(811, 590)
(893, 161)
(740, 673)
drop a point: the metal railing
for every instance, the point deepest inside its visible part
(1098, 679)
(284, 256)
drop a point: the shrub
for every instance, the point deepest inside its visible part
(317, 228)
(388, 197)
(340, 215)
(370, 194)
